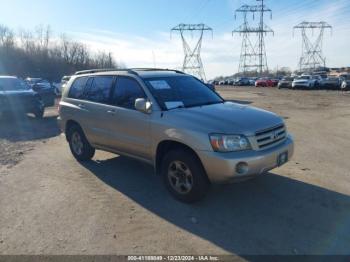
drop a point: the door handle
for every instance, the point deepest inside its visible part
(112, 112)
(81, 105)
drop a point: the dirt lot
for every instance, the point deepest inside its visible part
(50, 204)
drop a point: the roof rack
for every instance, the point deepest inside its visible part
(92, 71)
(129, 70)
(157, 69)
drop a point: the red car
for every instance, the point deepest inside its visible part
(264, 82)
(275, 82)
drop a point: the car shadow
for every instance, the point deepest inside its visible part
(20, 128)
(271, 214)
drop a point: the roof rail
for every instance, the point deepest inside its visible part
(157, 69)
(92, 71)
(129, 70)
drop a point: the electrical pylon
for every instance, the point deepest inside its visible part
(312, 57)
(192, 62)
(253, 57)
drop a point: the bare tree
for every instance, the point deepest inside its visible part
(38, 54)
(7, 38)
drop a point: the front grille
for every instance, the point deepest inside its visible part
(271, 136)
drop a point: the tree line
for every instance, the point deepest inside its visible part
(38, 53)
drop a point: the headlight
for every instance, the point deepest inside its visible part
(229, 143)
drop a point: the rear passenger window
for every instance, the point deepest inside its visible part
(100, 89)
(77, 89)
(126, 92)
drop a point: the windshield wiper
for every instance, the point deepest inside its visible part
(207, 104)
(177, 107)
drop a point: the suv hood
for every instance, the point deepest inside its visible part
(301, 81)
(228, 118)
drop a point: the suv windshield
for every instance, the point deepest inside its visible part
(13, 84)
(181, 91)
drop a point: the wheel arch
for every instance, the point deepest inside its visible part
(69, 124)
(168, 145)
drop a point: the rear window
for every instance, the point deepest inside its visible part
(100, 89)
(77, 89)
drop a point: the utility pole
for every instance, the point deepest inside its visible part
(312, 56)
(253, 57)
(192, 61)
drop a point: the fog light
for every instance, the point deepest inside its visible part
(242, 168)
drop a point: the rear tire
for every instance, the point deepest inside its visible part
(78, 144)
(184, 176)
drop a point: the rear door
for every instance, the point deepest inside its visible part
(100, 112)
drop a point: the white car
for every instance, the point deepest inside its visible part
(306, 81)
(345, 82)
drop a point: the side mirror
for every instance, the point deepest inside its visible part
(143, 105)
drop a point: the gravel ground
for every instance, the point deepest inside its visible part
(21, 133)
(50, 204)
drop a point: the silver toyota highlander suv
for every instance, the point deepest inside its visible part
(173, 121)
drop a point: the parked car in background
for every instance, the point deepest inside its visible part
(252, 81)
(45, 90)
(242, 81)
(345, 82)
(331, 82)
(174, 122)
(264, 82)
(16, 96)
(285, 82)
(63, 84)
(231, 82)
(275, 82)
(306, 82)
(221, 83)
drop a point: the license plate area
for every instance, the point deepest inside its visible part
(282, 158)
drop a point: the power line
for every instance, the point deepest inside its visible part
(253, 57)
(312, 57)
(192, 60)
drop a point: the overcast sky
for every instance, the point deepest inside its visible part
(138, 32)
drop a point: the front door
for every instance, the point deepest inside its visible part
(132, 128)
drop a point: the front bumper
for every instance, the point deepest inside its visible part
(221, 167)
(302, 85)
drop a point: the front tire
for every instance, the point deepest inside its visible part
(184, 176)
(78, 144)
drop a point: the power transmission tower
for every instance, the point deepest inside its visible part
(253, 57)
(311, 56)
(192, 62)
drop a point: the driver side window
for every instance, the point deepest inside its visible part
(127, 90)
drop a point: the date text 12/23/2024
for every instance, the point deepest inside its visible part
(172, 258)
